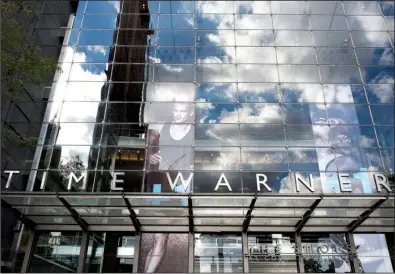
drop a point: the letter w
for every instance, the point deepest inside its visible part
(185, 183)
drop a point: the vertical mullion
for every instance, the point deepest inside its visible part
(136, 253)
(29, 250)
(191, 252)
(83, 252)
(298, 253)
(245, 253)
(352, 252)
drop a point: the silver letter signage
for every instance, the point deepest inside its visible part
(225, 183)
(185, 183)
(263, 182)
(381, 181)
(11, 172)
(345, 182)
(115, 180)
(299, 178)
(72, 176)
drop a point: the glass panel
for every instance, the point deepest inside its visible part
(272, 253)
(94, 256)
(291, 22)
(176, 7)
(262, 135)
(224, 158)
(257, 73)
(324, 7)
(215, 54)
(303, 159)
(175, 38)
(380, 94)
(274, 212)
(174, 73)
(264, 159)
(163, 221)
(60, 220)
(218, 221)
(56, 252)
(218, 21)
(325, 253)
(298, 93)
(221, 202)
(328, 22)
(215, 38)
(261, 113)
(298, 73)
(258, 93)
(263, 55)
(297, 55)
(286, 7)
(99, 220)
(373, 255)
(252, 21)
(216, 135)
(214, 7)
(370, 39)
(375, 56)
(216, 113)
(175, 55)
(274, 222)
(332, 39)
(99, 21)
(383, 114)
(293, 38)
(336, 56)
(215, 73)
(176, 21)
(375, 23)
(252, 7)
(385, 136)
(263, 38)
(218, 253)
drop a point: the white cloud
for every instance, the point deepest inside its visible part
(116, 4)
(60, 111)
(99, 49)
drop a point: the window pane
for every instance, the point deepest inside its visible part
(210, 255)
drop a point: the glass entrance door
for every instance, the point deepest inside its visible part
(117, 254)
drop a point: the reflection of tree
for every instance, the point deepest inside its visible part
(74, 164)
(71, 164)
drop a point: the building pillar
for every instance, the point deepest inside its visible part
(16, 243)
(191, 252)
(298, 253)
(83, 252)
(352, 251)
(136, 255)
(29, 251)
(246, 255)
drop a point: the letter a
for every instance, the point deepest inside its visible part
(225, 183)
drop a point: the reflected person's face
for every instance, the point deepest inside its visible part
(180, 113)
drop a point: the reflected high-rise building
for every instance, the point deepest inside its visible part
(123, 137)
(217, 136)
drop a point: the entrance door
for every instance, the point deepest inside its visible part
(118, 255)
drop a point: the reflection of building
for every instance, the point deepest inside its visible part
(285, 106)
(23, 116)
(124, 94)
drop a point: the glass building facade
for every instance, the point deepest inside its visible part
(167, 120)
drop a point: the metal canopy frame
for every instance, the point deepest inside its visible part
(194, 212)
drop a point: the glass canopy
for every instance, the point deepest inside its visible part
(174, 212)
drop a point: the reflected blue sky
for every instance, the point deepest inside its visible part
(249, 67)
